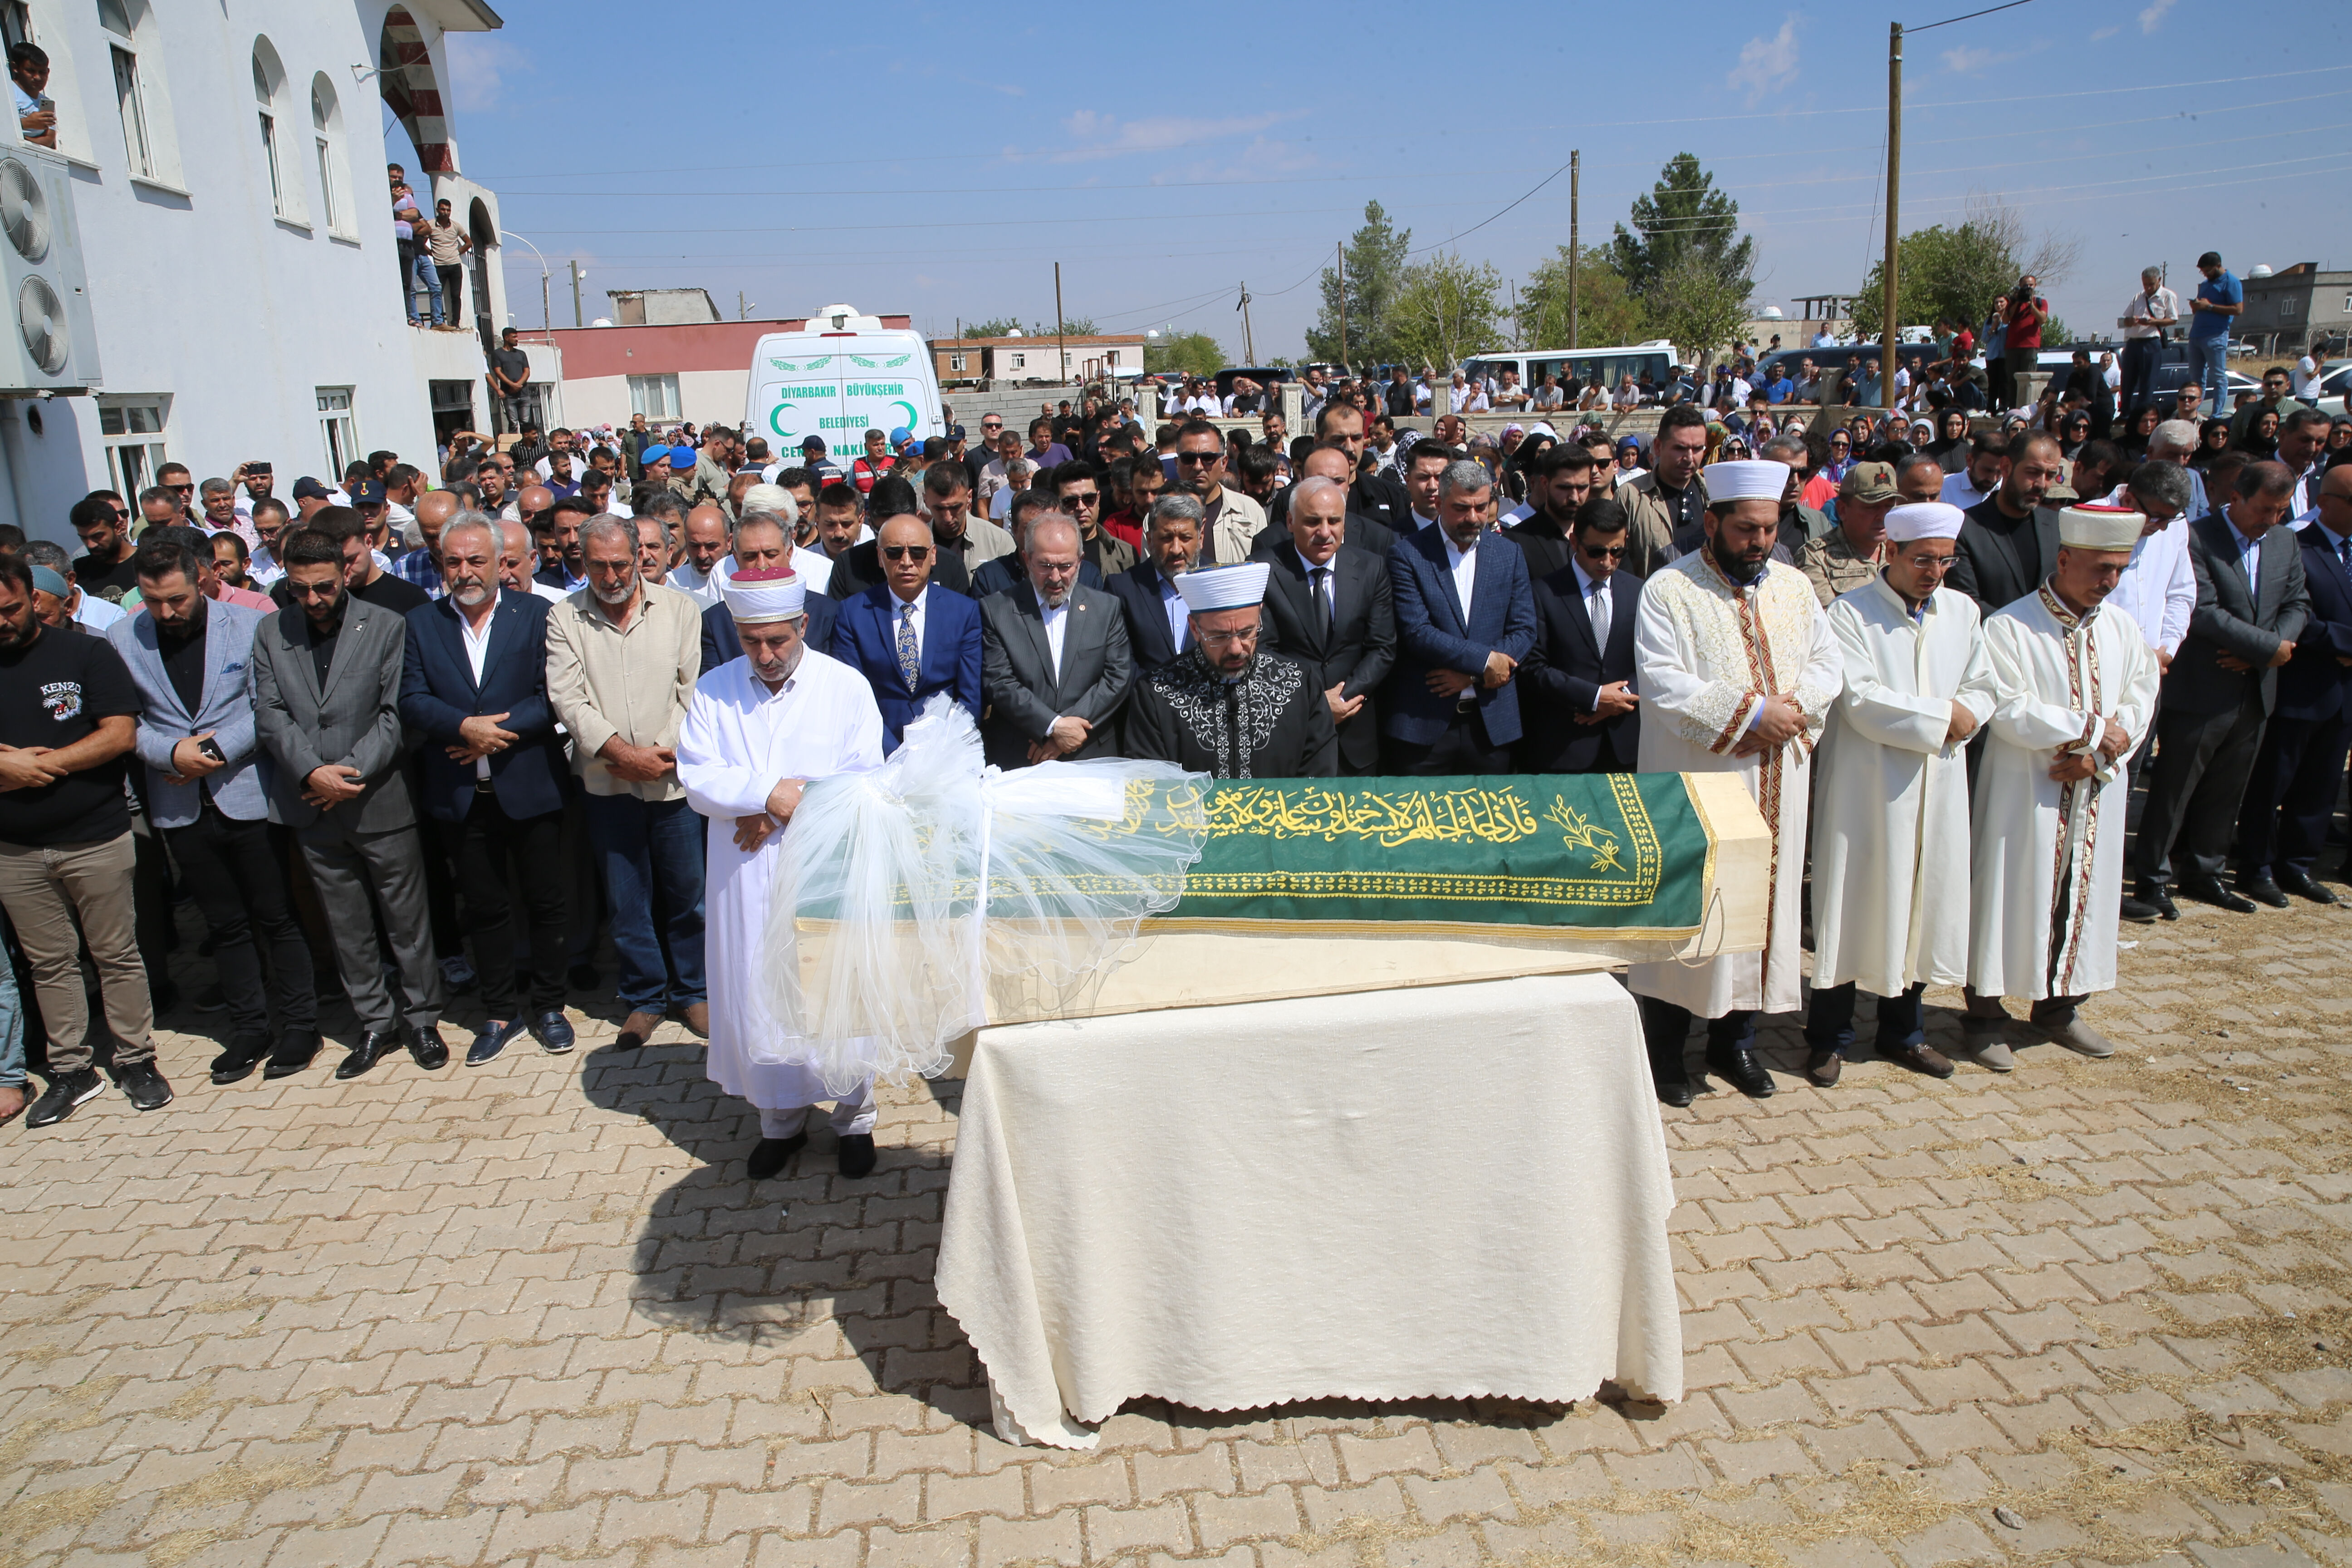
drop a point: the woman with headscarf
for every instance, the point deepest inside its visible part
(1951, 447)
(2260, 438)
(2074, 431)
(1519, 469)
(2213, 440)
(2136, 434)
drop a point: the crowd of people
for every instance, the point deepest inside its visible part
(400, 740)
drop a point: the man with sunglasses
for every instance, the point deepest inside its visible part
(102, 521)
(1233, 520)
(1078, 495)
(908, 636)
(1582, 715)
(1891, 825)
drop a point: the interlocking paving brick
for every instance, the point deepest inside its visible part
(543, 1317)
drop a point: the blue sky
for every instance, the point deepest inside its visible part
(939, 161)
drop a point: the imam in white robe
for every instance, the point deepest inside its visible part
(1707, 655)
(1891, 802)
(737, 741)
(2048, 858)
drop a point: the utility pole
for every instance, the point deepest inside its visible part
(742, 311)
(1341, 252)
(1888, 330)
(576, 319)
(1061, 345)
(1575, 158)
(1515, 315)
(546, 312)
(1249, 345)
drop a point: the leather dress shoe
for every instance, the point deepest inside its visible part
(2210, 890)
(636, 1030)
(2139, 911)
(2154, 895)
(426, 1043)
(493, 1038)
(2303, 886)
(1672, 1082)
(554, 1032)
(2262, 890)
(1823, 1067)
(698, 1019)
(770, 1155)
(856, 1154)
(374, 1047)
(1742, 1071)
(245, 1053)
(1919, 1058)
(295, 1050)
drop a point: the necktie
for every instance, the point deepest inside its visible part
(910, 656)
(1597, 603)
(1323, 611)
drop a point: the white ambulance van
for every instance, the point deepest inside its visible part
(840, 377)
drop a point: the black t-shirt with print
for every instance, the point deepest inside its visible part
(53, 694)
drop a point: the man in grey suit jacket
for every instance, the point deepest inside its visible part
(2251, 603)
(192, 659)
(327, 673)
(1054, 658)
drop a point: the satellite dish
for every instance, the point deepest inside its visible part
(1012, 331)
(1772, 313)
(2261, 269)
(602, 321)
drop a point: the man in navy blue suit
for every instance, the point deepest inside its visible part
(2290, 800)
(1465, 616)
(909, 636)
(763, 542)
(474, 684)
(1582, 715)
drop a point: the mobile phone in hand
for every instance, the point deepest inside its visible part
(211, 748)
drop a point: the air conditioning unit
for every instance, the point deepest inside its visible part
(54, 347)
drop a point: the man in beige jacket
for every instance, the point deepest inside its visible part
(623, 656)
(1672, 494)
(1233, 521)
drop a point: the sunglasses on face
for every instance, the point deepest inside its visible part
(1200, 456)
(1602, 552)
(181, 489)
(916, 553)
(316, 590)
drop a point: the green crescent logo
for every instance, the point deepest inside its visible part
(776, 420)
(913, 417)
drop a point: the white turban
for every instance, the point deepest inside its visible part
(1746, 478)
(2099, 527)
(1224, 587)
(1924, 520)
(777, 594)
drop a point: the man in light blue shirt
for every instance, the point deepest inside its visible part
(28, 72)
(2219, 298)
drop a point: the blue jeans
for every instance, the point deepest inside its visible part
(2209, 358)
(12, 1028)
(423, 275)
(648, 845)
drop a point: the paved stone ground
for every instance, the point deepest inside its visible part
(533, 1313)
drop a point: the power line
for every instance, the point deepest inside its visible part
(1972, 16)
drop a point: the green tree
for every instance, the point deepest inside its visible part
(1684, 215)
(1376, 263)
(1606, 315)
(1445, 309)
(1953, 274)
(1005, 326)
(1696, 307)
(1191, 354)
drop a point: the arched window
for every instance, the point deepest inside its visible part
(278, 160)
(334, 168)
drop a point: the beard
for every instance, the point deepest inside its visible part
(615, 596)
(469, 593)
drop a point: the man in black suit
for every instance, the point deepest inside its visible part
(1329, 461)
(1563, 483)
(1158, 624)
(2291, 799)
(762, 543)
(1329, 606)
(1376, 497)
(2251, 603)
(2009, 542)
(1582, 714)
(859, 567)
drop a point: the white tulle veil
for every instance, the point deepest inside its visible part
(908, 896)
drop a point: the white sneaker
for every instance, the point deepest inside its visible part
(1996, 1056)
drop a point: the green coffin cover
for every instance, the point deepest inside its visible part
(1627, 854)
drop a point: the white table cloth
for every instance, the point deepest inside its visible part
(1449, 1191)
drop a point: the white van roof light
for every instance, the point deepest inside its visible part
(844, 318)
